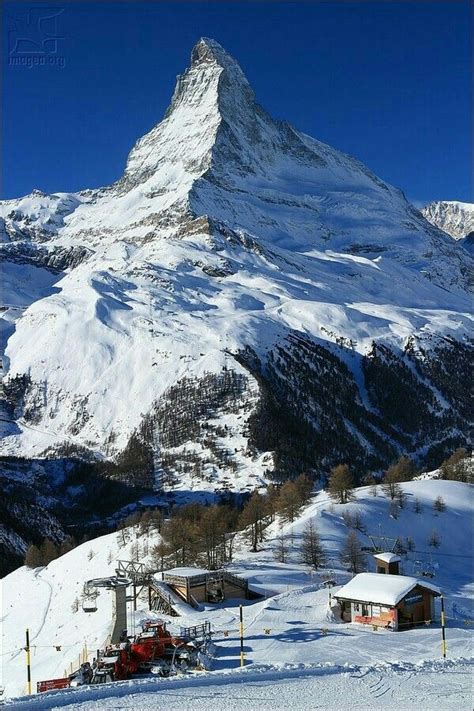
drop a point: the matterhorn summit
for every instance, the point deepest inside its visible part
(244, 302)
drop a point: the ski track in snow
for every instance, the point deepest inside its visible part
(48, 604)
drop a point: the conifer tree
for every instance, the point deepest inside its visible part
(402, 470)
(49, 551)
(67, 545)
(289, 501)
(341, 483)
(33, 557)
(458, 467)
(281, 550)
(252, 519)
(434, 541)
(352, 555)
(159, 554)
(312, 551)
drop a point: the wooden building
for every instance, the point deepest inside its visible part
(196, 585)
(388, 563)
(396, 602)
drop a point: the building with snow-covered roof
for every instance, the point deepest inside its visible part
(391, 601)
(387, 563)
(197, 585)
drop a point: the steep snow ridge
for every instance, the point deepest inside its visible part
(454, 217)
(228, 229)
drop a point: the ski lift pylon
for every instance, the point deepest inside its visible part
(328, 579)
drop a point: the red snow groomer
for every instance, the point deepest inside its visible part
(154, 642)
(114, 663)
(153, 649)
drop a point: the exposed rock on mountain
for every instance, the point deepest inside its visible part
(455, 218)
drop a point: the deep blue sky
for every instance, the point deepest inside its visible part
(387, 82)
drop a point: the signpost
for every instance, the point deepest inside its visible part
(28, 661)
(443, 629)
(241, 637)
(52, 684)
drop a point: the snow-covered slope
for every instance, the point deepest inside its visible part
(454, 217)
(229, 233)
(295, 606)
(49, 601)
(269, 688)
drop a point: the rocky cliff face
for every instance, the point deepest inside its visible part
(453, 217)
(245, 302)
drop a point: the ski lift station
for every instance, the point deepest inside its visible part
(386, 598)
(196, 585)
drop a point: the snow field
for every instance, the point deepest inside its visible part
(430, 685)
(302, 630)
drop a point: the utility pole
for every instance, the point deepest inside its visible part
(28, 661)
(241, 636)
(443, 629)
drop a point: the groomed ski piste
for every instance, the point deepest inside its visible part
(297, 654)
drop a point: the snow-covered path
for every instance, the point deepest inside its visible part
(429, 685)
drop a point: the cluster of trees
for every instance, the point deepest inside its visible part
(47, 551)
(341, 484)
(197, 533)
(204, 535)
(341, 481)
(458, 467)
(261, 509)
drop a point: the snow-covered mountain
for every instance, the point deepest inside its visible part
(244, 300)
(455, 218)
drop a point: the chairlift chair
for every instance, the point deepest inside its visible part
(89, 606)
(89, 602)
(422, 568)
(428, 571)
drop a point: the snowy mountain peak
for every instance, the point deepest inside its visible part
(453, 217)
(178, 149)
(229, 233)
(208, 51)
(211, 68)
